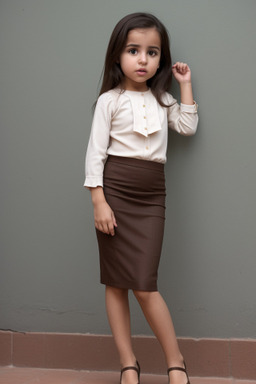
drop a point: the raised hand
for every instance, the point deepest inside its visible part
(181, 72)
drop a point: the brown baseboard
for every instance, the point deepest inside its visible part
(204, 357)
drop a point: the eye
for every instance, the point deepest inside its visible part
(133, 51)
(152, 53)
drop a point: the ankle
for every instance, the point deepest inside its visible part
(176, 361)
(128, 361)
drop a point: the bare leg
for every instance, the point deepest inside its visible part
(158, 316)
(118, 312)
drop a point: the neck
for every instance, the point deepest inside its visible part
(135, 87)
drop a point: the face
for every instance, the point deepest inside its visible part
(140, 58)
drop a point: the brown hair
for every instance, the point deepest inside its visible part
(112, 73)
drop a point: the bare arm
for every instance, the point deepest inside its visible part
(104, 217)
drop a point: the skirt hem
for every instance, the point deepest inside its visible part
(129, 287)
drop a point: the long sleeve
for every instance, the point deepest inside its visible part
(182, 118)
(96, 154)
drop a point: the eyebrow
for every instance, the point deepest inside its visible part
(137, 45)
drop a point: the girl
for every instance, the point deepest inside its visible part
(125, 174)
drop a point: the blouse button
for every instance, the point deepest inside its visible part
(146, 147)
(145, 128)
(144, 105)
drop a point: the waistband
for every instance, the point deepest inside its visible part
(136, 162)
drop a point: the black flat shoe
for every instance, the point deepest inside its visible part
(179, 369)
(137, 369)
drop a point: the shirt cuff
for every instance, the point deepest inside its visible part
(93, 181)
(189, 108)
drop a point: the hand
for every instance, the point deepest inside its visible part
(104, 218)
(181, 72)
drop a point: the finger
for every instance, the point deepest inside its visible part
(174, 70)
(179, 68)
(108, 228)
(111, 229)
(182, 67)
(185, 68)
(112, 225)
(114, 219)
(99, 227)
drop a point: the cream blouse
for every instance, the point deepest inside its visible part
(134, 124)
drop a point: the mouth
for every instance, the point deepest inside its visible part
(141, 71)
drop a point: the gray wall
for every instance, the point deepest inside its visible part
(51, 56)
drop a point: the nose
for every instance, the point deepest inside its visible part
(143, 58)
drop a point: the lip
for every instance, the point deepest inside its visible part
(141, 71)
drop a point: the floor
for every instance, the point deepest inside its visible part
(14, 375)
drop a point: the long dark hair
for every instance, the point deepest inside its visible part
(112, 73)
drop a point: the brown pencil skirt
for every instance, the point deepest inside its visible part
(135, 191)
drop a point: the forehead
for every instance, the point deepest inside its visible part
(147, 36)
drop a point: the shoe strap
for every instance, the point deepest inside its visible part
(179, 369)
(128, 368)
(136, 369)
(176, 369)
